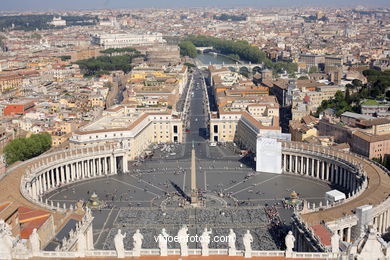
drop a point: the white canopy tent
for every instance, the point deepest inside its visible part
(334, 196)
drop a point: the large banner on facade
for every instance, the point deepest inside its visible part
(268, 155)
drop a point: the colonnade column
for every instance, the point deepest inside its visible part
(77, 171)
(82, 169)
(301, 165)
(37, 186)
(86, 169)
(327, 169)
(330, 177)
(34, 190)
(312, 167)
(40, 184)
(112, 161)
(73, 172)
(349, 181)
(44, 182)
(57, 177)
(67, 173)
(99, 165)
(380, 219)
(106, 165)
(94, 167)
(349, 234)
(60, 175)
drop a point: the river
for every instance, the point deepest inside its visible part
(205, 59)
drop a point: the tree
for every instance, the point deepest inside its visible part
(357, 83)
(104, 64)
(187, 48)
(347, 96)
(21, 149)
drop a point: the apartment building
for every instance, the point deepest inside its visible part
(365, 135)
(7, 82)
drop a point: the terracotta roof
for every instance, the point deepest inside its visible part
(27, 228)
(323, 233)
(342, 146)
(308, 119)
(376, 121)
(28, 214)
(371, 138)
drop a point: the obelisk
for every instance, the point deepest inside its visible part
(194, 191)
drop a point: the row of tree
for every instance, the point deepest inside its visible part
(21, 149)
(104, 64)
(120, 50)
(240, 49)
(226, 17)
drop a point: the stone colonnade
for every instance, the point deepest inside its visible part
(70, 167)
(323, 168)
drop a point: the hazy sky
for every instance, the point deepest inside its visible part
(6, 5)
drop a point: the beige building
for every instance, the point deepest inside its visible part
(239, 127)
(303, 129)
(135, 130)
(96, 101)
(372, 146)
(10, 82)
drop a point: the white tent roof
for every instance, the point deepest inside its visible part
(335, 194)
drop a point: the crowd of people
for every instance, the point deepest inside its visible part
(277, 227)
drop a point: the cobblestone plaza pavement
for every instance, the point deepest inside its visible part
(147, 198)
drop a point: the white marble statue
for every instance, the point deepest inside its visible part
(119, 246)
(372, 247)
(137, 243)
(163, 242)
(35, 242)
(289, 240)
(21, 248)
(205, 241)
(232, 243)
(6, 241)
(81, 244)
(335, 242)
(387, 250)
(247, 241)
(183, 240)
